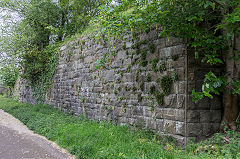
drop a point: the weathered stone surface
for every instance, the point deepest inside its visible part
(169, 114)
(159, 113)
(193, 116)
(128, 89)
(216, 103)
(179, 115)
(129, 45)
(205, 116)
(170, 100)
(160, 125)
(180, 101)
(194, 129)
(180, 128)
(215, 116)
(170, 126)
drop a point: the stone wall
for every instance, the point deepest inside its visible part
(3, 90)
(204, 117)
(146, 82)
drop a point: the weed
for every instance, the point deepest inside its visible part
(154, 64)
(124, 46)
(115, 92)
(174, 76)
(142, 86)
(152, 89)
(151, 48)
(144, 63)
(121, 74)
(148, 78)
(89, 139)
(139, 97)
(129, 68)
(166, 83)
(137, 76)
(144, 55)
(159, 98)
(175, 57)
(134, 89)
(162, 66)
(138, 51)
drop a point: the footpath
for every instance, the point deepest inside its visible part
(18, 142)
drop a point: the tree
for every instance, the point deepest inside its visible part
(40, 24)
(8, 75)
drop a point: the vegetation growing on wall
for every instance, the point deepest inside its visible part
(212, 28)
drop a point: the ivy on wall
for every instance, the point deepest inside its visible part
(39, 69)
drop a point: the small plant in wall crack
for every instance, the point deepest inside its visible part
(166, 83)
(124, 46)
(154, 65)
(140, 97)
(162, 66)
(151, 48)
(134, 88)
(159, 98)
(152, 89)
(175, 57)
(142, 86)
(174, 76)
(148, 78)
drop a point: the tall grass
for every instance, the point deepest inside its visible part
(89, 139)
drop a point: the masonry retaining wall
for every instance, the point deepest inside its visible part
(130, 89)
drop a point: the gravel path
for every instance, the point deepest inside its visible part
(18, 142)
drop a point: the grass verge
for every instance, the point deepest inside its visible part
(89, 139)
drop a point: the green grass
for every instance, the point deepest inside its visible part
(89, 139)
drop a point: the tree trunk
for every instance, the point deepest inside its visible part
(232, 73)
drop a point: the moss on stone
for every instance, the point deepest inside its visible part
(124, 46)
(121, 98)
(162, 66)
(159, 98)
(166, 83)
(142, 86)
(129, 68)
(174, 76)
(158, 80)
(138, 51)
(127, 53)
(119, 89)
(154, 64)
(175, 57)
(134, 89)
(148, 78)
(144, 63)
(140, 97)
(151, 48)
(143, 55)
(152, 89)
(137, 76)
(121, 73)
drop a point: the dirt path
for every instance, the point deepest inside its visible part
(18, 142)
